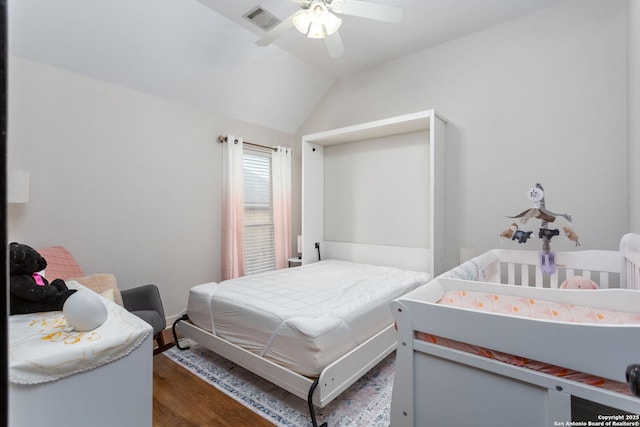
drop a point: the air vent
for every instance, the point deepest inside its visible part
(262, 18)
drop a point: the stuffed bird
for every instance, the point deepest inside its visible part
(571, 235)
(506, 234)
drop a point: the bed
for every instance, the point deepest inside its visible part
(449, 373)
(312, 330)
(342, 220)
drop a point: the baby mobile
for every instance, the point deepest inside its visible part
(539, 211)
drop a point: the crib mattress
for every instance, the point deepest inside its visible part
(533, 308)
(536, 308)
(303, 318)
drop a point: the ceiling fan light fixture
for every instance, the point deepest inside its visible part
(317, 21)
(318, 11)
(302, 22)
(316, 31)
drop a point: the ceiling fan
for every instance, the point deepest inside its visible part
(317, 19)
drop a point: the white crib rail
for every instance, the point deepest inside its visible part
(609, 269)
(522, 268)
(630, 259)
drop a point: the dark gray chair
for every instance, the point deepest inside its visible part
(144, 301)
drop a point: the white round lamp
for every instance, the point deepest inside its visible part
(84, 310)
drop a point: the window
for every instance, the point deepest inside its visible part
(258, 212)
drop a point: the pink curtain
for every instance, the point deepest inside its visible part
(281, 173)
(232, 209)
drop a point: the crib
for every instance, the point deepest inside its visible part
(436, 385)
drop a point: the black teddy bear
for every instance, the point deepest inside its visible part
(29, 291)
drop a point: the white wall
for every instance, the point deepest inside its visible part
(128, 182)
(633, 114)
(367, 199)
(537, 99)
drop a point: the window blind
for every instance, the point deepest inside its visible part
(258, 213)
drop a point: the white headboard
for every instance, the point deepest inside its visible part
(424, 256)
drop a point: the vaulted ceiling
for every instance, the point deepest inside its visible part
(203, 52)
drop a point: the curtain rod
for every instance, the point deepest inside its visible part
(222, 139)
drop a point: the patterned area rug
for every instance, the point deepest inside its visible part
(366, 403)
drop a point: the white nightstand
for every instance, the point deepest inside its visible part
(295, 261)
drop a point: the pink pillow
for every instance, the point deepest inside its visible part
(103, 284)
(60, 264)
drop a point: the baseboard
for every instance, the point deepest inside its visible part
(173, 318)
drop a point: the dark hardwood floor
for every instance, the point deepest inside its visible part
(182, 399)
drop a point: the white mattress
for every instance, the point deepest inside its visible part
(303, 318)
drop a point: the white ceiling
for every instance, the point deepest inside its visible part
(203, 52)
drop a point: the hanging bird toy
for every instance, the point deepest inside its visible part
(540, 211)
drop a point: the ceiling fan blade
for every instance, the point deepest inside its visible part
(377, 11)
(334, 45)
(277, 31)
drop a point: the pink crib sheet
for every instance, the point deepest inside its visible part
(535, 309)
